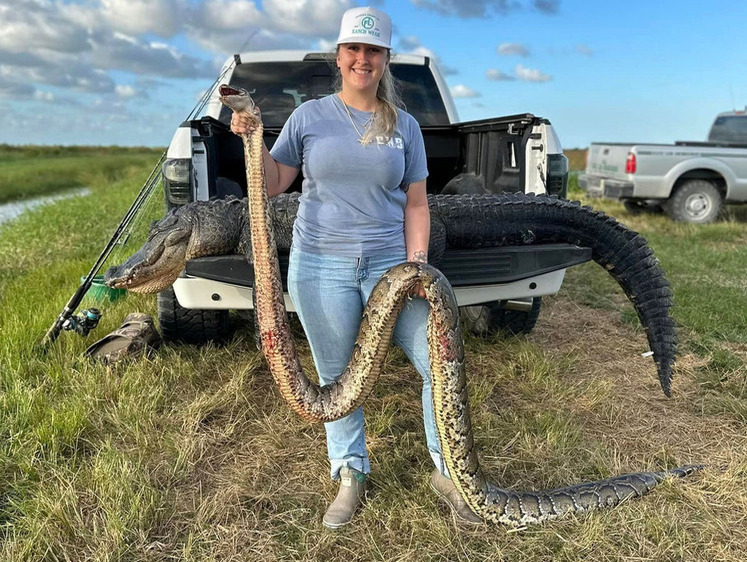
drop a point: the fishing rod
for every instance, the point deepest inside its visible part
(88, 319)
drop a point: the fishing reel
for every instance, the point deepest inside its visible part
(84, 322)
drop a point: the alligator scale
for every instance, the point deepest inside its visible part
(222, 226)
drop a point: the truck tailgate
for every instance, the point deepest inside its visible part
(608, 160)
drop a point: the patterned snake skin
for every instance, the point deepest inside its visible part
(448, 378)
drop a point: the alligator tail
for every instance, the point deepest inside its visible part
(525, 219)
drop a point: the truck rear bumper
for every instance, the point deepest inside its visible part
(598, 186)
(478, 275)
(206, 294)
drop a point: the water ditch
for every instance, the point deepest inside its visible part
(14, 209)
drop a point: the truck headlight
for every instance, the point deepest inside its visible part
(557, 175)
(177, 174)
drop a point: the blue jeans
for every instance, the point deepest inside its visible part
(329, 293)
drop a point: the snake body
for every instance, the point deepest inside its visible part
(448, 378)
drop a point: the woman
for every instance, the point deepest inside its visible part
(363, 209)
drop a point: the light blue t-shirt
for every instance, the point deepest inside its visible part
(353, 196)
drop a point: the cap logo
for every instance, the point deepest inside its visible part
(365, 25)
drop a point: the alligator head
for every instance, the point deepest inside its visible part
(158, 263)
(199, 229)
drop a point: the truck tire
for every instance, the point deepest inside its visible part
(696, 201)
(492, 318)
(196, 327)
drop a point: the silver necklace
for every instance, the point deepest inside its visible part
(365, 125)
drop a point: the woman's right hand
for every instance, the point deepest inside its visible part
(243, 124)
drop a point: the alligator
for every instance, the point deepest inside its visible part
(220, 226)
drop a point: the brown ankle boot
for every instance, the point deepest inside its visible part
(353, 488)
(446, 490)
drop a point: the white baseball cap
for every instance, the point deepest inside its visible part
(366, 25)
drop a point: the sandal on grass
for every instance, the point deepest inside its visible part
(137, 336)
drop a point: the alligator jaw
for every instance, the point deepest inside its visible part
(143, 274)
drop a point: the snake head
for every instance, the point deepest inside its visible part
(238, 99)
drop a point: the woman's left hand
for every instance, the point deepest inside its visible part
(243, 124)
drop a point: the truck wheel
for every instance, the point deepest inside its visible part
(491, 318)
(696, 201)
(186, 325)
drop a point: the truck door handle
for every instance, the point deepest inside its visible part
(539, 147)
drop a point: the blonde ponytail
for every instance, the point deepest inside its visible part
(385, 122)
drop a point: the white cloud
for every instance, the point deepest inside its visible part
(15, 90)
(409, 42)
(306, 17)
(411, 45)
(228, 42)
(24, 30)
(495, 74)
(462, 91)
(531, 74)
(583, 50)
(161, 17)
(125, 91)
(231, 26)
(229, 14)
(44, 96)
(513, 49)
(76, 76)
(74, 46)
(130, 54)
(481, 8)
(326, 45)
(468, 8)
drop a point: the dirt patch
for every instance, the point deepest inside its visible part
(739, 349)
(638, 413)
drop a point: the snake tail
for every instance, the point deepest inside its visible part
(453, 420)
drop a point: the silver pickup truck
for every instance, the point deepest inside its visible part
(690, 181)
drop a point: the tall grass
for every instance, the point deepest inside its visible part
(31, 171)
(194, 456)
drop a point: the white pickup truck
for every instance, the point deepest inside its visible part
(500, 154)
(690, 181)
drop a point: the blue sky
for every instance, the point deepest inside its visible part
(127, 72)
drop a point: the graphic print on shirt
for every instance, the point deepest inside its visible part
(394, 142)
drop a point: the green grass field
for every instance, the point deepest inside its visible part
(30, 171)
(194, 456)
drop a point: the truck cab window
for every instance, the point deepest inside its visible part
(729, 128)
(279, 87)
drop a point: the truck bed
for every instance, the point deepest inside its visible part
(488, 153)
